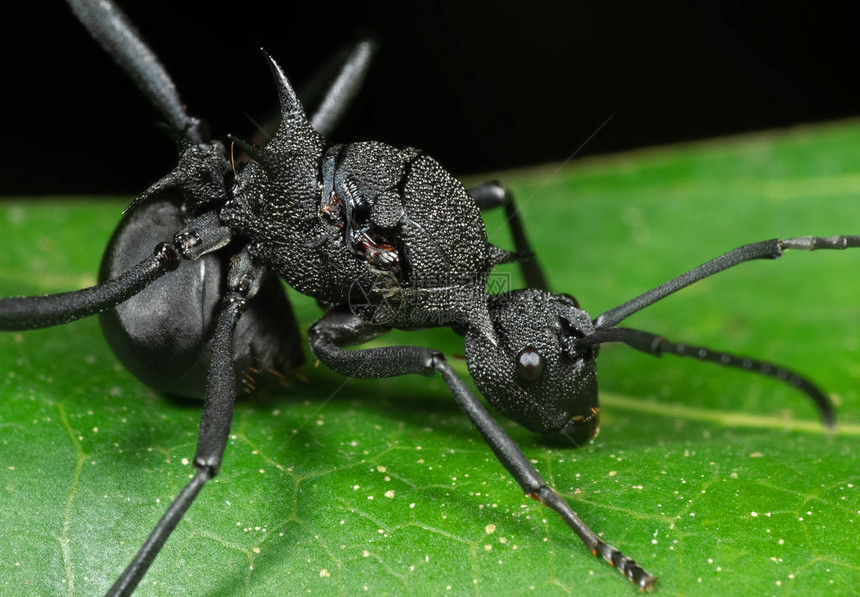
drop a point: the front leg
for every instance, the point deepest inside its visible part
(338, 328)
(243, 282)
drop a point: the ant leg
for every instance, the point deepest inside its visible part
(768, 249)
(114, 32)
(340, 90)
(244, 280)
(338, 328)
(656, 345)
(203, 235)
(32, 312)
(490, 195)
(202, 164)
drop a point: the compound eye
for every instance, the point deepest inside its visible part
(530, 364)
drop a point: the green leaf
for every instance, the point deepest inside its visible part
(718, 482)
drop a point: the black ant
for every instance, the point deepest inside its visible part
(383, 238)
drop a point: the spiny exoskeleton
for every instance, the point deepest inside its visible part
(383, 238)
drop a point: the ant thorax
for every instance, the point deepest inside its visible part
(387, 231)
(414, 226)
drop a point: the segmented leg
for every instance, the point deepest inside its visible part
(214, 423)
(203, 235)
(340, 89)
(109, 26)
(32, 312)
(338, 329)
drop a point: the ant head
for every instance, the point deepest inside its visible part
(530, 369)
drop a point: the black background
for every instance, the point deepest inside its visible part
(480, 87)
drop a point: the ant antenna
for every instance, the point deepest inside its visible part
(657, 345)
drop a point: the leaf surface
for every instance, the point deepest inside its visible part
(718, 482)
